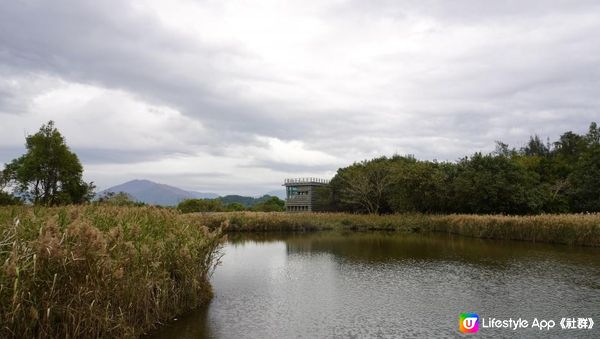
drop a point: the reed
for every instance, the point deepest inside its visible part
(571, 229)
(100, 271)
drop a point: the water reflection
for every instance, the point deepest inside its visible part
(389, 285)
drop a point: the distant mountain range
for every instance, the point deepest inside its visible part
(160, 194)
(157, 194)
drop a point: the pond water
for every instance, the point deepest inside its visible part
(362, 285)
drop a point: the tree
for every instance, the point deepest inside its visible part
(496, 184)
(364, 186)
(201, 205)
(536, 146)
(235, 207)
(585, 181)
(593, 135)
(119, 199)
(421, 187)
(323, 199)
(273, 204)
(49, 173)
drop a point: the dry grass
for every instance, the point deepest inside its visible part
(100, 271)
(299, 222)
(572, 229)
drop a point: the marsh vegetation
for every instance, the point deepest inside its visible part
(571, 229)
(100, 271)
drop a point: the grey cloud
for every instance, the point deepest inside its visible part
(289, 168)
(92, 42)
(118, 156)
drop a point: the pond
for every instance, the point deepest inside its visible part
(389, 285)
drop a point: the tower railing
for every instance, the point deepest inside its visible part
(306, 181)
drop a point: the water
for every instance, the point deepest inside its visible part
(357, 285)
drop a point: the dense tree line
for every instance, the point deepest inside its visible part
(541, 177)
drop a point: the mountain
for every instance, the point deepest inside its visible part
(157, 194)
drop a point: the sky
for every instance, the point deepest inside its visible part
(235, 96)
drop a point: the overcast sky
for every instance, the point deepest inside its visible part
(234, 96)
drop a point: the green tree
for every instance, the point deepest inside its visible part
(273, 204)
(364, 186)
(593, 135)
(585, 181)
(495, 184)
(536, 146)
(48, 173)
(422, 187)
(235, 207)
(119, 199)
(201, 205)
(323, 199)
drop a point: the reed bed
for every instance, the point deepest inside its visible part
(100, 271)
(300, 222)
(571, 229)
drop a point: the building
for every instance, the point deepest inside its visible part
(300, 193)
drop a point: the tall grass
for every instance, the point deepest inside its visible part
(100, 271)
(572, 229)
(299, 222)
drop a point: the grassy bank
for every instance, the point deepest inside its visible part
(571, 229)
(99, 271)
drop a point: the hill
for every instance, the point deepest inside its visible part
(157, 194)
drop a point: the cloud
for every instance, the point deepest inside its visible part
(253, 92)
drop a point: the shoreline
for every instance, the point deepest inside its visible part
(567, 229)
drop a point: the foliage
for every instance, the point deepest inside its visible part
(118, 199)
(247, 202)
(273, 204)
(558, 177)
(100, 271)
(265, 204)
(585, 182)
(363, 186)
(49, 173)
(201, 205)
(235, 207)
(9, 199)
